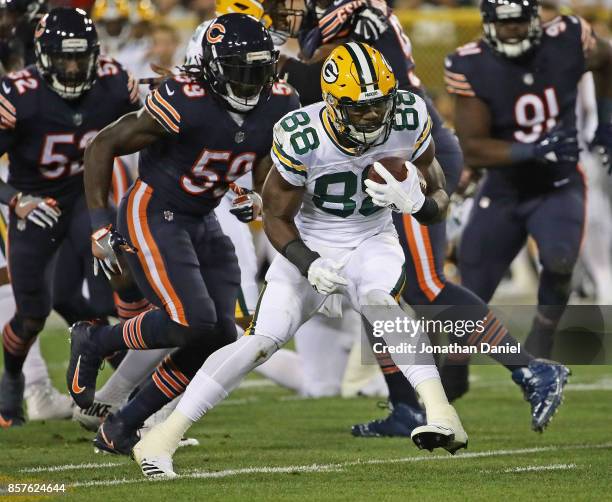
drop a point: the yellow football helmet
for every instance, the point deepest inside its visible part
(281, 21)
(359, 90)
(110, 10)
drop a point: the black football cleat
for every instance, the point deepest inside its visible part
(83, 365)
(542, 382)
(11, 401)
(115, 437)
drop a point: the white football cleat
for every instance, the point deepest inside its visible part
(91, 418)
(154, 459)
(443, 431)
(45, 402)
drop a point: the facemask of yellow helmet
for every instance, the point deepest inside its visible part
(359, 90)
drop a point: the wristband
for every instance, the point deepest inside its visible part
(101, 217)
(300, 255)
(428, 212)
(520, 152)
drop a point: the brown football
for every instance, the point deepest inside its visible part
(397, 167)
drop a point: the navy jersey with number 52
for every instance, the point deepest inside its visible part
(45, 135)
(206, 148)
(528, 97)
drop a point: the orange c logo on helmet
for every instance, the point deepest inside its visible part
(215, 33)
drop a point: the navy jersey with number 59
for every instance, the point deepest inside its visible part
(45, 135)
(527, 97)
(206, 148)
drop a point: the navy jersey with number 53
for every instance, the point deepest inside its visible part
(46, 135)
(528, 97)
(205, 148)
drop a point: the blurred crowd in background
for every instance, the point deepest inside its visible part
(139, 33)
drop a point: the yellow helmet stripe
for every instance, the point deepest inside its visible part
(365, 70)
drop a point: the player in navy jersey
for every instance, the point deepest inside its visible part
(48, 113)
(196, 135)
(326, 24)
(18, 19)
(515, 116)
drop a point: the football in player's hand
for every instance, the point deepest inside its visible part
(397, 167)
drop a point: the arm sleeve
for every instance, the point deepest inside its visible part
(287, 163)
(161, 104)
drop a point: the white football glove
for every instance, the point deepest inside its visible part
(105, 243)
(43, 212)
(403, 197)
(324, 277)
(247, 206)
(370, 24)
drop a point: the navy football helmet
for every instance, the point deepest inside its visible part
(239, 61)
(67, 49)
(500, 11)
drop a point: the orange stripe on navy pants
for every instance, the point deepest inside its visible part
(422, 257)
(149, 255)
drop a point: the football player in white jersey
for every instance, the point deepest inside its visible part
(332, 236)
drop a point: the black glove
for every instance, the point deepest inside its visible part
(559, 145)
(602, 145)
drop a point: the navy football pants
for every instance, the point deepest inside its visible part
(498, 228)
(185, 265)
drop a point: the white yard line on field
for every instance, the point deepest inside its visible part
(71, 467)
(534, 468)
(198, 474)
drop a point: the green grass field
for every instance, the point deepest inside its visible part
(264, 444)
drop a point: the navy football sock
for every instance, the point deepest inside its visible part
(147, 401)
(400, 390)
(16, 345)
(493, 333)
(152, 329)
(171, 377)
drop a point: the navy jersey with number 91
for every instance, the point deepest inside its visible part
(530, 96)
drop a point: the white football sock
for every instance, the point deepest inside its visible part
(434, 399)
(222, 372)
(34, 367)
(165, 437)
(136, 365)
(284, 368)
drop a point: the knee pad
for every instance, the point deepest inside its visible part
(558, 259)
(377, 297)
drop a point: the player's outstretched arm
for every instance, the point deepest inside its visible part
(130, 134)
